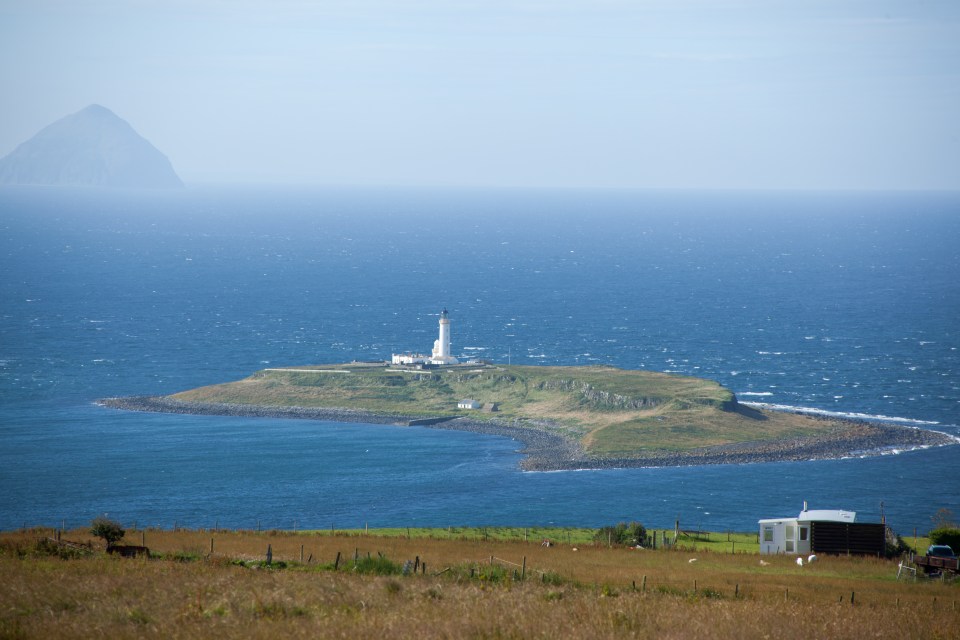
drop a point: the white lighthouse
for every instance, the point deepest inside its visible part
(441, 347)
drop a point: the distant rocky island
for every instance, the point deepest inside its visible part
(567, 417)
(92, 147)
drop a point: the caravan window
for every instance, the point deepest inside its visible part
(768, 534)
(803, 534)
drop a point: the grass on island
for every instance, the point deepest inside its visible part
(470, 588)
(611, 412)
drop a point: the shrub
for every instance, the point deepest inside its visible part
(379, 566)
(107, 529)
(633, 533)
(946, 535)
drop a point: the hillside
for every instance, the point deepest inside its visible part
(204, 584)
(611, 413)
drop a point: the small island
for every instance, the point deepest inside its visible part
(567, 417)
(586, 417)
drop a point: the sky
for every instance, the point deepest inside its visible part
(676, 94)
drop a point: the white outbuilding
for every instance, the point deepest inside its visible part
(794, 536)
(468, 404)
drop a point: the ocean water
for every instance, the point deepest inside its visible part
(844, 302)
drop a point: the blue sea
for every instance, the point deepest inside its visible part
(844, 302)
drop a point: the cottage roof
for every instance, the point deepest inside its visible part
(827, 515)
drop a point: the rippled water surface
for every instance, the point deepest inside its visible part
(843, 302)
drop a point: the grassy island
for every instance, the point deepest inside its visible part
(568, 417)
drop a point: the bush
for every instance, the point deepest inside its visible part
(107, 529)
(946, 535)
(378, 566)
(622, 534)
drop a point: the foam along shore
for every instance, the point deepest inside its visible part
(544, 450)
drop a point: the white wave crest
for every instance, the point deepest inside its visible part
(837, 414)
(754, 393)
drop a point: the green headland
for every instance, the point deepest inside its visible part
(569, 417)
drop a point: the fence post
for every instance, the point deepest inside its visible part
(269, 554)
(736, 590)
(643, 588)
(523, 570)
(853, 595)
(211, 545)
(301, 554)
(336, 563)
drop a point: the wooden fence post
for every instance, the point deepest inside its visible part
(336, 563)
(643, 589)
(269, 554)
(211, 545)
(301, 554)
(523, 570)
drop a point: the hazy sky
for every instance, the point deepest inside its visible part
(608, 93)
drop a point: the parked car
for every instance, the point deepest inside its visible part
(940, 551)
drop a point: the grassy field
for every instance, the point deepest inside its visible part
(470, 587)
(611, 412)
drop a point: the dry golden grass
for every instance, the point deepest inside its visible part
(589, 594)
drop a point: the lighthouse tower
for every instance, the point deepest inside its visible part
(441, 347)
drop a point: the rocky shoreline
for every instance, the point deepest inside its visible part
(546, 451)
